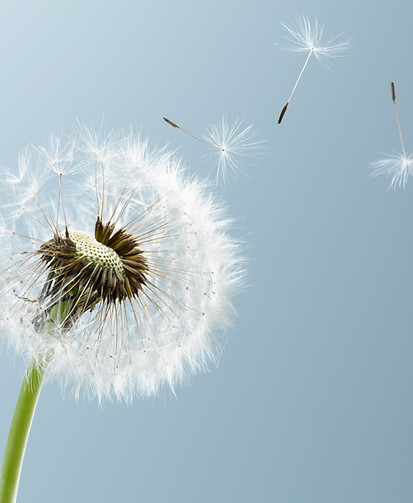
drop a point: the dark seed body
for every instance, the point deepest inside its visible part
(80, 281)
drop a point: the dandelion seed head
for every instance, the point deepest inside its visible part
(235, 145)
(305, 37)
(117, 267)
(398, 167)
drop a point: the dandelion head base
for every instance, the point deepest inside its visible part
(89, 250)
(84, 270)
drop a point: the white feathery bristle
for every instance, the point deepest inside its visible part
(398, 167)
(236, 145)
(304, 37)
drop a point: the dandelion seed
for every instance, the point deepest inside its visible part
(307, 38)
(233, 145)
(397, 166)
(119, 273)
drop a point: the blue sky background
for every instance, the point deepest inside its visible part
(312, 398)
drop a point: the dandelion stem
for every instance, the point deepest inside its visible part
(295, 85)
(393, 96)
(19, 433)
(190, 134)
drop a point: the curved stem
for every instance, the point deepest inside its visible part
(280, 118)
(19, 433)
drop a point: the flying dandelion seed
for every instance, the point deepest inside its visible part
(399, 167)
(306, 38)
(118, 271)
(233, 145)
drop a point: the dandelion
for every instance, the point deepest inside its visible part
(397, 166)
(118, 272)
(306, 38)
(233, 145)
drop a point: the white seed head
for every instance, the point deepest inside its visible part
(116, 268)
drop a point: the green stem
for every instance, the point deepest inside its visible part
(19, 433)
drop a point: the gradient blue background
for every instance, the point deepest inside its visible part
(312, 399)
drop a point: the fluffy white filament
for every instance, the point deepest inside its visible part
(398, 167)
(235, 144)
(304, 37)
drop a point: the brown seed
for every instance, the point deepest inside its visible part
(393, 92)
(280, 118)
(171, 123)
